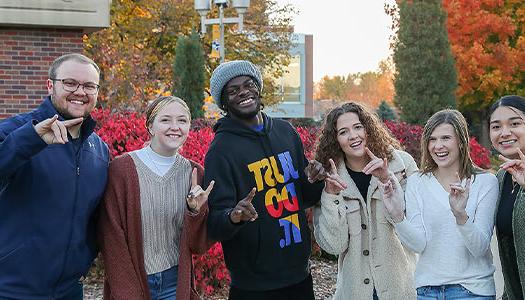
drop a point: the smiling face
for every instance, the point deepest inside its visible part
(243, 98)
(507, 131)
(351, 136)
(73, 104)
(169, 129)
(443, 147)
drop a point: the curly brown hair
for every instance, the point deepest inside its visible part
(378, 138)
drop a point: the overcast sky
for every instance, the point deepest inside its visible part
(349, 35)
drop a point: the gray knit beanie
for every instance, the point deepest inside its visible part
(229, 70)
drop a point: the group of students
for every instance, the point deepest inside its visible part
(400, 231)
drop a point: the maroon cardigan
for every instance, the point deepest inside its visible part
(120, 237)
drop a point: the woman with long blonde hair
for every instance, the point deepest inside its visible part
(449, 214)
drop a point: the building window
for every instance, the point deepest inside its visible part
(289, 85)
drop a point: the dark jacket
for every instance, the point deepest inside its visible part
(48, 196)
(272, 251)
(518, 227)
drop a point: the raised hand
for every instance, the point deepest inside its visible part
(333, 182)
(395, 207)
(458, 198)
(377, 167)
(516, 167)
(53, 131)
(315, 171)
(197, 196)
(244, 210)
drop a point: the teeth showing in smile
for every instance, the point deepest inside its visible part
(76, 102)
(508, 142)
(246, 101)
(441, 154)
(356, 144)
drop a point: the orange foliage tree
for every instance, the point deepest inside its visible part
(136, 52)
(370, 87)
(487, 41)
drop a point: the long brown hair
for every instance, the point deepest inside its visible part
(378, 138)
(456, 119)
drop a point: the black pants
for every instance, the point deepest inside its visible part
(303, 290)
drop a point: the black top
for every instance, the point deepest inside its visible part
(273, 251)
(361, 180)
(506, 206)
(509, 193)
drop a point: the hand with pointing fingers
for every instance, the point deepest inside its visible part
(197, 196)
(516, 167)
(377, 167)
(244, 210)
(334, 184)
(315, 171)
(458, 198)
(394, 203)
(53, 131)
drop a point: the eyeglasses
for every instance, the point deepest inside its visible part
(71, 85)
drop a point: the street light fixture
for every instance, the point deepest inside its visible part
(204, 6)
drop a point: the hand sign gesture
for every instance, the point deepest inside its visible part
(244, 210)
(197, 196)
(393, 201)
(53, 131)
(315, 171)
(458, 198)
(333, 182)
(516, 167)
(377, 167)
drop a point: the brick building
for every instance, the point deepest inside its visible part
(32, 35)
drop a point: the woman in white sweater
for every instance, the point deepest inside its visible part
(449, 215)
(351, 220)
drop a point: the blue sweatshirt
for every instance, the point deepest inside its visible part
(273, 251)
(48, 197)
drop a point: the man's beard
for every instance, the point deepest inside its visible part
(63, 112)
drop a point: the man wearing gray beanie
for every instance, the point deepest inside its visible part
(263, 183)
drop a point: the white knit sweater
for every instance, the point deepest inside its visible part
(450, 253)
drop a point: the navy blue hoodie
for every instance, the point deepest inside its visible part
(48, 196)
(273, 251)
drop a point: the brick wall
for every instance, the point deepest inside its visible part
(25, 56)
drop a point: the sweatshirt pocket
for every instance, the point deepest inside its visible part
(353, 216)
(21, 262)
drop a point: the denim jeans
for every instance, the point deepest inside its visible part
(448, 292)
(163, 285)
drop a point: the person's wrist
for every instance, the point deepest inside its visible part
(461, 217)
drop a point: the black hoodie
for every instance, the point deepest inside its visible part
(273, 251)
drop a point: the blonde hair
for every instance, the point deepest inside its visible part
(458, 122)
(159, 103)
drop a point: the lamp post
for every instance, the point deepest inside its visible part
(204, 6)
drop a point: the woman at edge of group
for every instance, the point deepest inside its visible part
(153, 215)
(507, 134)
(449, 216)
(351, 220)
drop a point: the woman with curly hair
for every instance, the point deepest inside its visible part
(449, 215)
(352, 220)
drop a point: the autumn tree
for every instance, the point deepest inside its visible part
(188, 73)
(136, 52)
(425, 78)
(369, 87)
(488, 43)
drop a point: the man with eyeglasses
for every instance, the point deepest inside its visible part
(53, 171)
(264, 183)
